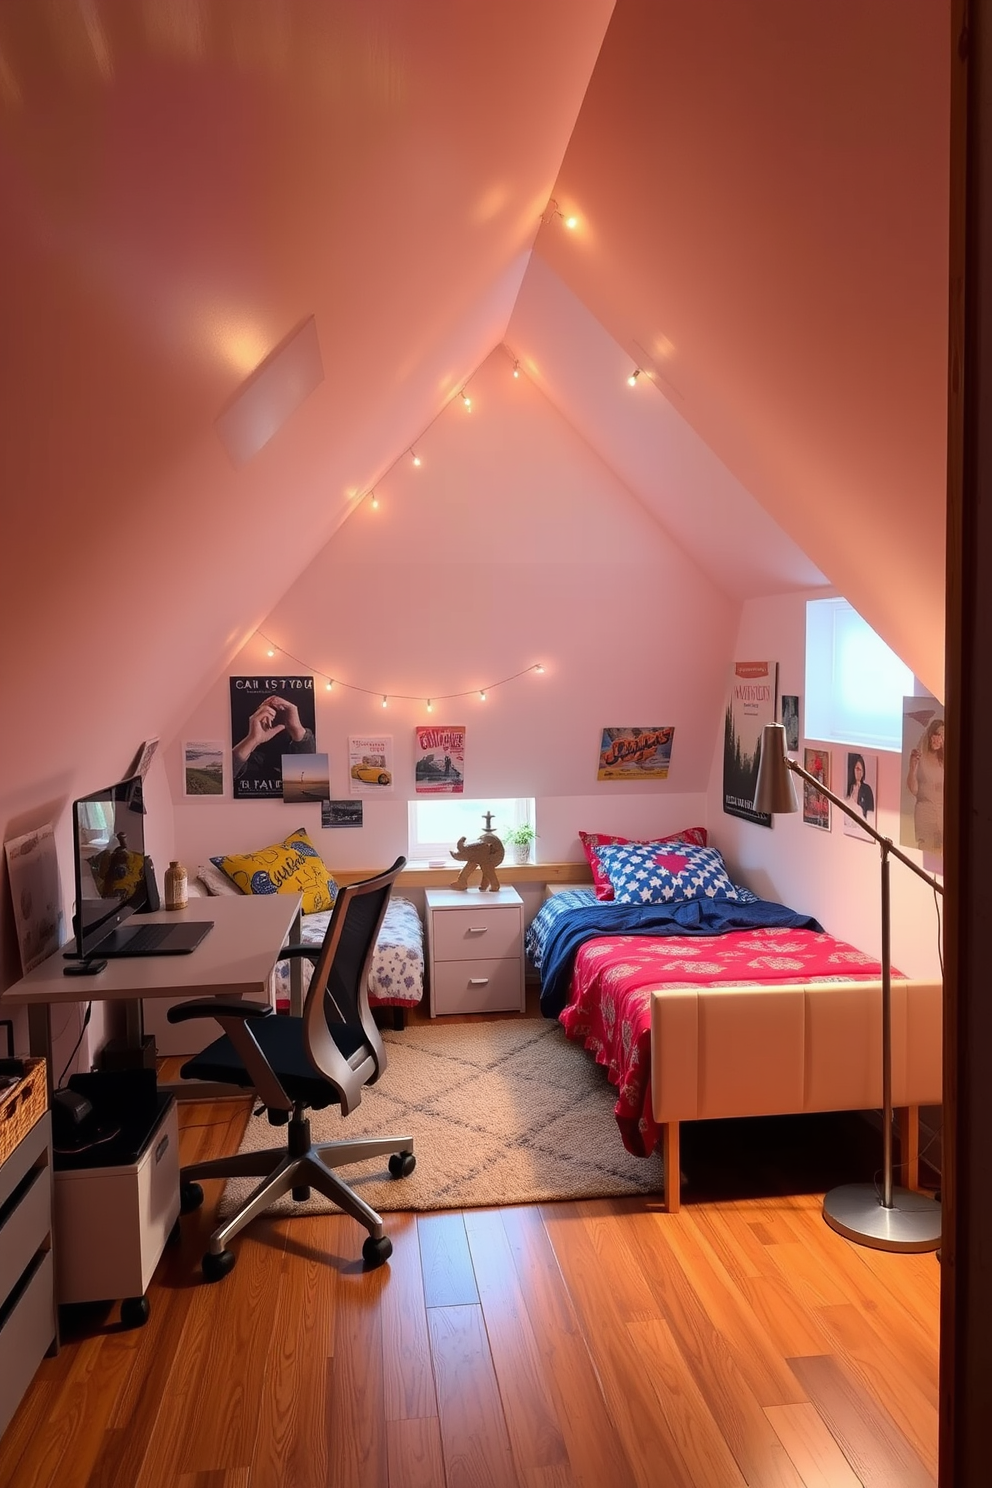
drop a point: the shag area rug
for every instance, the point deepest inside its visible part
(508, 1112)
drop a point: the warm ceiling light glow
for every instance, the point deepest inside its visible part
(375, 502)
(270, 652)
(538, 667)
(329, 683)
(516, 369)
(632, 379)
(466, 399)
(415, 457)
(384, 700)
(571, 223)
(430, 706)
(482, 697)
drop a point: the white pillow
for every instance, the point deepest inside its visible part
(214, 880)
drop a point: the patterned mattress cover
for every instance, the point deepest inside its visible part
(396, 977)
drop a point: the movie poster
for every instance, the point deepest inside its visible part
(370, 762)
(750, 705)
(270, 717)
(921, 815)
(637, 753)
(440, 755)
(816, 807)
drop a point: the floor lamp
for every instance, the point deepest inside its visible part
(896, 1218)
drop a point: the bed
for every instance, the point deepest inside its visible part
(714, 1007)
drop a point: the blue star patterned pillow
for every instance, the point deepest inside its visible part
(663, 873)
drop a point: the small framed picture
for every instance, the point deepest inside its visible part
(816, 807)
(790, 720)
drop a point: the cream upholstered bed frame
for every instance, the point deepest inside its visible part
(791, 1048)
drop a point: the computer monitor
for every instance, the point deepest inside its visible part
(108, 850)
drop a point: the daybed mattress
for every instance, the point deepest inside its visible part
(396, 977)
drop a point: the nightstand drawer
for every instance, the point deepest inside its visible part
(477, 987)
(490, 933)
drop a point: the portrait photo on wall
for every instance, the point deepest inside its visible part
(860, 790)
(750, 705)
(816, 807)
(270, 717)
(203, 767)
(306, 777)
(790, 721)
(921, 817)
(636, 753)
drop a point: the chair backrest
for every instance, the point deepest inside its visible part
(338, 994)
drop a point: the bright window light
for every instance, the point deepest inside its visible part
(855, 683)
(436, 823)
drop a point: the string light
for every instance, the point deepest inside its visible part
(632, 379)
(414, 457)
(375, 501)
(553, 210)
(516, 367)
(407, 697)
(466, 399)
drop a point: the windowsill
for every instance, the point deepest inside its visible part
(423, 875)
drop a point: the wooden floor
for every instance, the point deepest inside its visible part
(739, 1342)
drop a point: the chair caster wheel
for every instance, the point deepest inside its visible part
(402, 1164)
(376, 1252)
(215, 1267)
(190, 1197)
(135, 1312)
(301, 1194)
(175, 1234)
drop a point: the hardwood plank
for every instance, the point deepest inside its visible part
(290, 1445)
(356, 1416)
(536, 1438)
(449, 1280)
(476, 1446)
(817, 1457)
(592, 1440)
(594, 1237)
(413, 1448)
(408, 1379)
(873, 1445)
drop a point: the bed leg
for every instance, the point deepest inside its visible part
(670, 1158)
(909, 1144)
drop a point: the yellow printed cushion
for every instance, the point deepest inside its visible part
(291, 867)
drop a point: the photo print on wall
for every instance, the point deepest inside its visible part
(341, 813)
(921, 815)
(750, 705)
(305, 777)
(440, 753)
(861, 790)
(790, 721)
(636, 753)
(270, 717)
(816, 807)
(203, 767)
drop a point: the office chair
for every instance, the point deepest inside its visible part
(322, 1058)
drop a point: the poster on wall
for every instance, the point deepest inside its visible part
(203, 767)
(36, 893)
(370, 764)
(305, 777)
(921, 817)
(861, 791)
(440, 754)
(637, 753)
(816, 807)
(790, 721)
(270, 717)
(750, 705)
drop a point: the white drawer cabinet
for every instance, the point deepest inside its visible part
(475, 946)
(28, 1324)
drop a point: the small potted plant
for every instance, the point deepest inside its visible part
(520, 839)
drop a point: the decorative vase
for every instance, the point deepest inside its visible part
(176, 887)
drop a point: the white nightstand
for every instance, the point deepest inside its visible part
(475, 945)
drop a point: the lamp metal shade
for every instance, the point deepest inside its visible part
(775, 789)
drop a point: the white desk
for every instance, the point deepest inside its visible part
(234, 959)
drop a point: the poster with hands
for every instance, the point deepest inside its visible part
(270, 717)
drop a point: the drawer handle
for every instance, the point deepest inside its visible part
(162, 1148)
(478, 981)
(477, 929)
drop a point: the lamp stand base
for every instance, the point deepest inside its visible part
(856, 1212)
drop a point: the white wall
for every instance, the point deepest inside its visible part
(828, 874)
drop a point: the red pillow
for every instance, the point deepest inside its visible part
(591, 840)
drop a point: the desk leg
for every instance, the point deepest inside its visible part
(296, 973)
(40, 1039)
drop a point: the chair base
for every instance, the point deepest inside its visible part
(301, 1164)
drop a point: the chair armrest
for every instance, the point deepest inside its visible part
(215, 1007)
(295, 952)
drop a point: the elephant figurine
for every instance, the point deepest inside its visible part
(486, 854)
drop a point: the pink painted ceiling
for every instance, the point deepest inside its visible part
(762, 196)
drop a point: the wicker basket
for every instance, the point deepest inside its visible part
(21, 1106)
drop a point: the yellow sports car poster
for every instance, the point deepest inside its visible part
(370, 764)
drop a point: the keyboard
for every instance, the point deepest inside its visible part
(143, 939)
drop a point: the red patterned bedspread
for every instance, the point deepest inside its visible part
(610, 1005)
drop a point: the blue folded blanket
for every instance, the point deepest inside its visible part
(555, 939)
